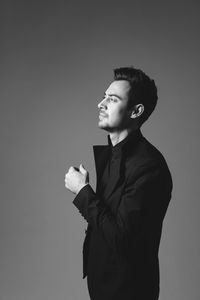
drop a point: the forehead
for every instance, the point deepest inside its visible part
(119, 87)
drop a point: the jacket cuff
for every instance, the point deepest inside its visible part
(84, 197)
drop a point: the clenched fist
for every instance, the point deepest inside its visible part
(76, 179)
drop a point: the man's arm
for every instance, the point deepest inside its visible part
(139, 200)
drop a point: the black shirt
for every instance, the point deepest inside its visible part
(115, 154)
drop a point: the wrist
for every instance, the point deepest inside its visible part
(81, 186)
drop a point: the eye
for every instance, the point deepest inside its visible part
(109, 98)
(113, 99)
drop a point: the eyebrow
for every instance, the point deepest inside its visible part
(113, 95)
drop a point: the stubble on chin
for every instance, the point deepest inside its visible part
(101, 125)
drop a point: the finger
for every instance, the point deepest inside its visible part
(71, 169)
(82, 169)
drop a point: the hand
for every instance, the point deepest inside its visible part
(76, 179)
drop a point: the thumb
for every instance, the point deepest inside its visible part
(82, 169)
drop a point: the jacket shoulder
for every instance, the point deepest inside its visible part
(145, 156)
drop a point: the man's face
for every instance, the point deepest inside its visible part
(113, 112)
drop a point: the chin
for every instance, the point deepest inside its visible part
(101, 124)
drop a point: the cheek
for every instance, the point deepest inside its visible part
(118, 114)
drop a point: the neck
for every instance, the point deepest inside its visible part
(117, 137)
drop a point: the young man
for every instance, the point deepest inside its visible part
(125, 215)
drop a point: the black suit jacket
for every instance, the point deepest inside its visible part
(120, 252)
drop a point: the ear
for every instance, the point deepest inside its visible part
(137, 111)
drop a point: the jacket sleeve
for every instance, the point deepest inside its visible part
(139, 205)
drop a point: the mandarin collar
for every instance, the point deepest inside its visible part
(129, 141)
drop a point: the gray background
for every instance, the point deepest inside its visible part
(56, 62)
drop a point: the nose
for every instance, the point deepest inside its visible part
(102, 104)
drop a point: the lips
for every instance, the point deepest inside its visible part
(102, 114)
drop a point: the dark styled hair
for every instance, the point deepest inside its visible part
(143, 90)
